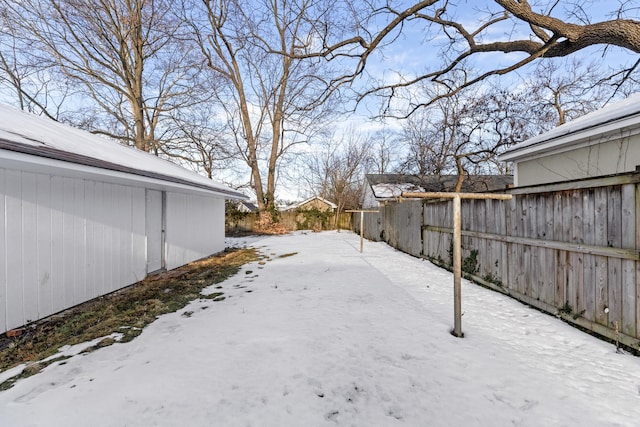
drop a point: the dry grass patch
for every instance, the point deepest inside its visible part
(125, 311)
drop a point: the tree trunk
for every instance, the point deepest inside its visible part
(460, 174)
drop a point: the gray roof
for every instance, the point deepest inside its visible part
(27, 139)
(615, 118)
(251, 206)
(297, 205)
(471, 183)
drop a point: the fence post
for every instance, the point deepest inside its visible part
(362, 211)
(361, 228)
(457, 244)
(457, 269)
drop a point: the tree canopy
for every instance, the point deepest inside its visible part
(257, 87)
(460, 32)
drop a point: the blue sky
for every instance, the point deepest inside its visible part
(415, 50)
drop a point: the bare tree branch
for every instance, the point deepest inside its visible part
(270, 93)
(550, 36)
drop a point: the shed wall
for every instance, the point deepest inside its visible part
(65, 241)
(194, 228)
(368, 198)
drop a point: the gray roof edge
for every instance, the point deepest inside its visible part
(403, 178)
(65, 156)
(581, 125)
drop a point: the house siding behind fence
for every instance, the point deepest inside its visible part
(68, 240)
(569, 248)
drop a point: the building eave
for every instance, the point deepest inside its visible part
(14, 155)
(572, 136)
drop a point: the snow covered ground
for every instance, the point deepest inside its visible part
(329, 336)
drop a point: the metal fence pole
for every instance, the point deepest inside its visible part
(457, 269)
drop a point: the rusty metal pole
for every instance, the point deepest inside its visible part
(361, 228)
(457, 269)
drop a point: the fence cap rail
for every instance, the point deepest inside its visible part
(447, 195)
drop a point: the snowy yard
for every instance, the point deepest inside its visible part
(329, 336)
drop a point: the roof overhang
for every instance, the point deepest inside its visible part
(622, 128)
(30, 142)
(616, 121)
(18, 156)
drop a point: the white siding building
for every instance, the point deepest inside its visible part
(82, 216)
(604, 142)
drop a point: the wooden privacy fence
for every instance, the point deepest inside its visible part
(570, 249)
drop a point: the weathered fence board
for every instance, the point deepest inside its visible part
(628, 241)
(614, 266)
(568, 248)
(589, 283)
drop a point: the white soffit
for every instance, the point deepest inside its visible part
(621, 119)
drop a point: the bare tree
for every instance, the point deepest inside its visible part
(338, 169)
(429, 135)
(198, 138)
(465, 133)
(33, 86)
(271, 96)
(565, 90)
(385, 151)
(517, 30)
(128, 57)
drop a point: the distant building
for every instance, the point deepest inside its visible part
(245, 207)
(315, 202)
(380, 188)
(82, 216)
(600, 143)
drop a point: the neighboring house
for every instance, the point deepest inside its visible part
(246, 207)
(603, 142)
(82, 216)
(315, 202)
(380, 188)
